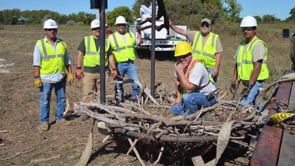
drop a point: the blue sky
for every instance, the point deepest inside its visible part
(277, 8)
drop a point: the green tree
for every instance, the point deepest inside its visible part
(269, 19)
(232, 10)
(119, 11)
(292, 15)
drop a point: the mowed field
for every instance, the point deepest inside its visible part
(21, 142)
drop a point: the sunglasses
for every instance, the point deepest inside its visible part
(121, 25)
(54, 30)
(205, 24)
(95, 29)
(248, 28)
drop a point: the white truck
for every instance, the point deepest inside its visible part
(163, 41)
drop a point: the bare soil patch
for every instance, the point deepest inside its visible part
(21, 142)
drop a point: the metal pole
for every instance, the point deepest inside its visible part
(153, 48)
(102, 51)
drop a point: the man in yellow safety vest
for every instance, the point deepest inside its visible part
(206, 46)
(251, 62)
(88, 63)
(123, 45)
(52, 67)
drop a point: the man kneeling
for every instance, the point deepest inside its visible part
(193, 83)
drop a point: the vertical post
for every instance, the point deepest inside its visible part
(153, 48)
(102, 51)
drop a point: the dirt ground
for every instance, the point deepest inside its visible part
(22, 143)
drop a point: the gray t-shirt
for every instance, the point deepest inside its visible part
(199, 76)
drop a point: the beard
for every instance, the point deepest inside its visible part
(205, 31)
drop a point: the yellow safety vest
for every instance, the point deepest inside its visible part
(92, 55)
(52, 61)
(206, 53)
(123, 51)
(245, 65)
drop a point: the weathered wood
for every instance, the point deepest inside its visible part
(267, 149)
(287, 151)
(292, 98)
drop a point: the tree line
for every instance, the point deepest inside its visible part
(188, 12)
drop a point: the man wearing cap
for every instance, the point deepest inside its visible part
(206, 45)
(88, 62)
(194, 89)
(52, 68)
(251, 62)
(123, 45)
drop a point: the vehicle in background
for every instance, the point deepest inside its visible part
(164, 40)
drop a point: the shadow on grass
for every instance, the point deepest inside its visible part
(159, 55)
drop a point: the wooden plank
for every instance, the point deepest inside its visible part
(287, 151)
(284, 91)
(267, 149)
(292, 98)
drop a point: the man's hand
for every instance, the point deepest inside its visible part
(79, 73)
(246, 90)
(114, 73)
(233, 88)
(38, 82)
(180, 67)
(70, 78)
(215, 72)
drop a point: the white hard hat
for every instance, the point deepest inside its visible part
(120, 20)
(249, 21)
(50, 24)
(95, 23)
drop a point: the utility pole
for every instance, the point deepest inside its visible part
(153, 48)
(101, 5)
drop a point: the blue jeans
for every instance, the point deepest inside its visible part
(252, 94)
(210, 70)
(129, 68)
(45, 94)
(191, 103)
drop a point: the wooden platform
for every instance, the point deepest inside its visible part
(276, 146)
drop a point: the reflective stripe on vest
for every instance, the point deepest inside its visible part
(206, 53)
(92, 54)
(52, 60)
(123, 51)
(245, 64)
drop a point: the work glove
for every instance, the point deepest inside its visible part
(38, 82)
(246, 90)
(79, 73)
(70, 78)
(233, 88)
(114, 73)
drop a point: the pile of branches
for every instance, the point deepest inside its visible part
(135, 121)
(148, 120)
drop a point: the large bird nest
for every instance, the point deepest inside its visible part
(149, 121)
(136, 121)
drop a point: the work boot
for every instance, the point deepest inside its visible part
(62, 122)
(44, 126)
(119, 98)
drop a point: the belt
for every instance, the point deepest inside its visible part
(127, 61)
